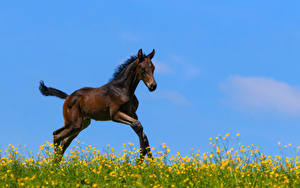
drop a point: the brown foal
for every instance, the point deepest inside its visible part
(114, 101)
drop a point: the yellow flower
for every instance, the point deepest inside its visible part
(112, 173)
(237, 134)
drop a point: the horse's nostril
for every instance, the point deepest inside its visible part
(152, 87)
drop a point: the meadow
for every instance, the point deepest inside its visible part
(228, 164)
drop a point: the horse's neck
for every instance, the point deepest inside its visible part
(133, 84)
(129, 80)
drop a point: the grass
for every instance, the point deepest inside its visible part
(228, 164)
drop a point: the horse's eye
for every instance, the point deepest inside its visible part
(143, 70)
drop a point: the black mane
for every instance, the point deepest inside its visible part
(123, 66)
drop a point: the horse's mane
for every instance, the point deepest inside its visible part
(123, 66)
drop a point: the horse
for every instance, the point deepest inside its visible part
(114, 101)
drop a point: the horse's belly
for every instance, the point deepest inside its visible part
(102, 115)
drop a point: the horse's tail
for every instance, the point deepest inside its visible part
(49, 91)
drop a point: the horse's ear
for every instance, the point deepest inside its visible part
(140, 54)
(151, 55)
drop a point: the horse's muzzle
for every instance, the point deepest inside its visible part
(152, 87)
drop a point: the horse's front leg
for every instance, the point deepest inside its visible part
(136, 125)
(147, 149)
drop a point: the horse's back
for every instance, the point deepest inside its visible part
(93, 103)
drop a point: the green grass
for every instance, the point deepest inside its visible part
(228, 165)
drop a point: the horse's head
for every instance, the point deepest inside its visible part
(145, 69)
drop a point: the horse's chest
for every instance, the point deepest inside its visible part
(119, 98)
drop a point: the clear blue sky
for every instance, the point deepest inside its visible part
(221, 67)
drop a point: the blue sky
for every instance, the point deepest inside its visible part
(221, 67)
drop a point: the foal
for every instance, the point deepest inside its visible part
(114, 101)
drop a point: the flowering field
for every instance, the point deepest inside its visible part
(228, 164)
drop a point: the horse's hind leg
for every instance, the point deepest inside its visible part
(58, 131)
(57, 142)
(60, 146)
(67, 141)
(73, 121)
